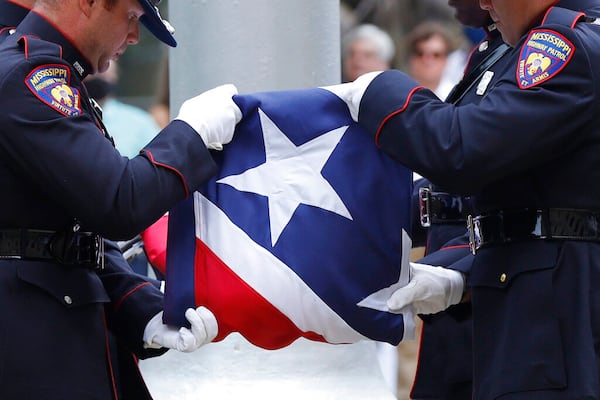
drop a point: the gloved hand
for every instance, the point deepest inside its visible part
(212, 114)
(204, 330)
(429, 290)
(352, 92)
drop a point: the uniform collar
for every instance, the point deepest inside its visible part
(491, 34)
(11, 14)
(491, 30)
(35, 25)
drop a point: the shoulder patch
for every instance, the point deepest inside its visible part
(51, 84)
(544, 54)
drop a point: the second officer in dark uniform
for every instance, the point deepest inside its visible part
(444, 369)
(524, 152)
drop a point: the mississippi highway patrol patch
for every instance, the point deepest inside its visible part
(50, 84)
(544, 54)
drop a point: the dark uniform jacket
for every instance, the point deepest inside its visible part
(531, 143)
(444, 369)
(57, 167)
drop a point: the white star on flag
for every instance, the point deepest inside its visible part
(291, 175)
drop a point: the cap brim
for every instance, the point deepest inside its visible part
(154, 23)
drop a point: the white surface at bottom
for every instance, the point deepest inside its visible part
(235, 369)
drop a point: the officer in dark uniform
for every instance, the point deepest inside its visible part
(62, 286)
(444, 369)
(523, 152)
(127, 377)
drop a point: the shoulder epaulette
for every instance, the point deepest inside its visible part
(563, 16)
(33, 46)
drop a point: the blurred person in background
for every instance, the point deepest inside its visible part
(429, 45)
(160, 109)
(131, 127)
(396, 17)
(366, 48)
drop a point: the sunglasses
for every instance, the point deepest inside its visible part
(430, 54)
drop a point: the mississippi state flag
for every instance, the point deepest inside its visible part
(300, 234)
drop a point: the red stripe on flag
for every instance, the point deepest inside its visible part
(238, 307)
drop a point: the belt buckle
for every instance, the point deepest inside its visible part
(89, 251)
(425, 207)
(474, 228)
(75, 248)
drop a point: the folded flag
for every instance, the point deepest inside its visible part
(302, 233)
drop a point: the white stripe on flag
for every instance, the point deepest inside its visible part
(268, 275)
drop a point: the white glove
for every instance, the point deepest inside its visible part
(204, 330)
(352, 92)
(429, 290)
(213, 114)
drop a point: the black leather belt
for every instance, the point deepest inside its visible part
(442, 208)
(70, 247)
(526, 224)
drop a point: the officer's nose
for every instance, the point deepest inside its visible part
(484, 4)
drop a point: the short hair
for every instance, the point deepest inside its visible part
(380, 38)
(425, 31)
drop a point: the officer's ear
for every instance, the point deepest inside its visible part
(86, 6)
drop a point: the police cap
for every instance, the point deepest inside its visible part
(155, 24)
